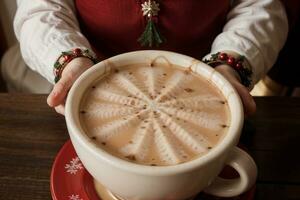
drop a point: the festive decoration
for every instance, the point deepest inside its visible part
(67, 57)
(150, 8)
(151, 36)
(74, 165)
(236, 63)
(75, 197)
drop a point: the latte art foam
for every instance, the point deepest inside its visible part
(154, 114)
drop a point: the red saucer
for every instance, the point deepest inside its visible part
(71, 181)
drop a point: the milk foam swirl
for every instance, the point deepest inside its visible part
(166, 115)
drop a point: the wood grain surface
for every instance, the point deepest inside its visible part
(31, 134)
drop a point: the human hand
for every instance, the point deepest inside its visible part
(232, 76)
(71, 72)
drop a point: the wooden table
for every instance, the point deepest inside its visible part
(31, 134)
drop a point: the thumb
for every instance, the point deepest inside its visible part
(59, 91)
(248, 101)
(231, 75)
(70, 73)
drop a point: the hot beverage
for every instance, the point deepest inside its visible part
(154, 114)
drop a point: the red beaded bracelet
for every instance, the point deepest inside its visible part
(67, 57)
(236, 63)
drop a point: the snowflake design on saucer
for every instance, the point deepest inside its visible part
(75, 197)
(166, 110)
(74, 165)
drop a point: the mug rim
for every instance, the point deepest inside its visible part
(75, 130)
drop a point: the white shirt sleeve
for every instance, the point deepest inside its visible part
(46, 28)
(256, 29)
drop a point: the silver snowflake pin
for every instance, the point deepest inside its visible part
(74, 166)
(150, 8)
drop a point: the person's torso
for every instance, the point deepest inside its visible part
(189, 26)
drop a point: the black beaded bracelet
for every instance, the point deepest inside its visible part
(67, 57)
(236, 63)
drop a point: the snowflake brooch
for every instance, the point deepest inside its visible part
(150, 8)
(151, 35)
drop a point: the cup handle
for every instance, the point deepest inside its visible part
(245, 166)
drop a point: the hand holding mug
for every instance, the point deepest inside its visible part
(71, 72)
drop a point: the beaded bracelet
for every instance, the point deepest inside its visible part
(236, 63)
(68, 56)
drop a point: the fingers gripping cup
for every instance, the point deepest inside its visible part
(158, 125)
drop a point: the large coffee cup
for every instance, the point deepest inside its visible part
(132, 180)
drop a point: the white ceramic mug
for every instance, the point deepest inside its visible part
(133, 181)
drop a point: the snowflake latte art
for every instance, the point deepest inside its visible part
(154, 114)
